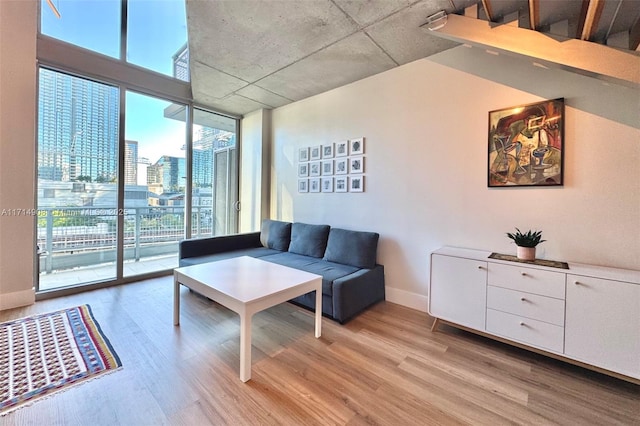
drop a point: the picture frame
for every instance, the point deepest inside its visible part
(327, 168)
(356, 146)
(303, 185)
(341, 184)
(526, 145)
(314, 168)
(303, 154)
(327, 151)
(303, 169)
(326, 184)
(341, 166)
(356, 164)
(342, 149)
(315, 153)
(356, 183)
(314, 185)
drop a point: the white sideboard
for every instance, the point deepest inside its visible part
(587, 315)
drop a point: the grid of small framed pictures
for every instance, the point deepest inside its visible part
(334, 167)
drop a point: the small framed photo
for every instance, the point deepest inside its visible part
(303, 169)
(314, 185)
(303, 154)
(327, 184)
(341, 166)
(303, 185)
(356, 164)
(327, 151)
(341, 184)
(327, 167)
(342, 148)
(314, 168)
(314, 153)
(356, 184)
(356, 146)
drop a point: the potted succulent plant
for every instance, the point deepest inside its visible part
(526, 243)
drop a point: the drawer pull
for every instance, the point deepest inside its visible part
(577, 283)
(524, 274)
(480, 267)
(523, 299)
(523, 324)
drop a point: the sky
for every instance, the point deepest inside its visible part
(156, 31)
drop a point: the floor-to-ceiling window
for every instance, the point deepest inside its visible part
(126, 167)
(155, 185)
(77, 178)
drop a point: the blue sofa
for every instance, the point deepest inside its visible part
(351, 278)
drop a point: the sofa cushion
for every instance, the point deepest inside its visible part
(354, 248)
(309, 240)
(275, 234)
(330, 271)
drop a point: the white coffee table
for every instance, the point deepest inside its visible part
(247, 285)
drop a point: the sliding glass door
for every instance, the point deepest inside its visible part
(215, 175)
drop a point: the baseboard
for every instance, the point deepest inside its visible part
(17, 299)
(406, 298)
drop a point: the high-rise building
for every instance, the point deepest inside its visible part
(181, 63)
(77, 129)
(206, 141)
(130, 162)
(170, 172)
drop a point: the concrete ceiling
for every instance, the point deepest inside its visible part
(252, 54)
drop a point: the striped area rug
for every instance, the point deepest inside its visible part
(46, 353)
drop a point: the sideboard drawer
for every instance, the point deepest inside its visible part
(528, 305)
(525, 330)
(536, 281)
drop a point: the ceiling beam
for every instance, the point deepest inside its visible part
(486, 4)
(634, 36)
(591, 18)
(534, 14)
(582, 57)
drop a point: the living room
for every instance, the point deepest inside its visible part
(425, 130)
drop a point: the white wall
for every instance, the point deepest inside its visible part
(425, 125)
(17, 151)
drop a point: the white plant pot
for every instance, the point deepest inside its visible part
(526, 253)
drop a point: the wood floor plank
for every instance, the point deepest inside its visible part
(385, 367)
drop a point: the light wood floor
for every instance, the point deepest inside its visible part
(384, 367)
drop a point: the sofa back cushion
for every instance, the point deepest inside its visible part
(354, 248)
(275, 234)
(309, 240)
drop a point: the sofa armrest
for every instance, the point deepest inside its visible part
(205, 246)
(355, 292)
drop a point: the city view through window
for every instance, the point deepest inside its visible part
(79, 147)
(78, 179)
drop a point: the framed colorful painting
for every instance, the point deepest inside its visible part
(526, 145)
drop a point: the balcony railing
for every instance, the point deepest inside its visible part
(74, 237)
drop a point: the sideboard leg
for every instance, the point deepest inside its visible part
(435, 324)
